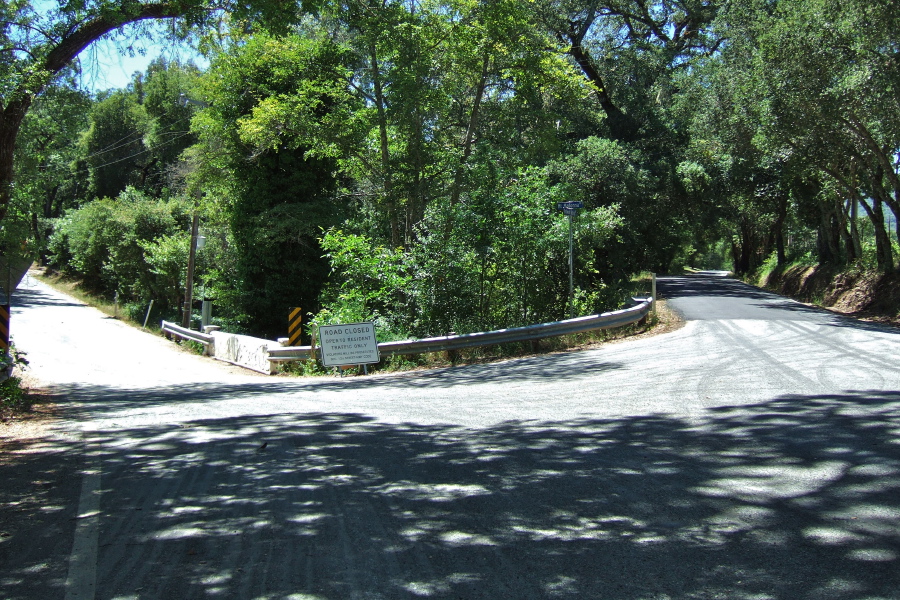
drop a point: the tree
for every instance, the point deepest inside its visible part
(46, 150)
(268, 154)
(137, 134)
(37, 44)
(818, 85)
(627, 49)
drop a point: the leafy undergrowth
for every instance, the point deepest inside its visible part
(856, 293)
(74, 287)
(14, 397)
(23, 402)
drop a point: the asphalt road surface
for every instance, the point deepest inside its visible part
(754, 454)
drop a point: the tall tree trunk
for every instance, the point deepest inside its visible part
(828, 237)
(854, 228)
(884, 254)
(10, 122)
(842, 224)
(887, 196)
(418, 197)
(744, 256)
(386, 175)
(621, 126)
(778, 230)
(467, 144)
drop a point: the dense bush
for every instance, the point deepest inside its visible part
(502, 263)
(133, 246)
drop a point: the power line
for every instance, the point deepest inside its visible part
(180, 134)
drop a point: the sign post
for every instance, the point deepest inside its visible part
(570, 209)
(348, 344)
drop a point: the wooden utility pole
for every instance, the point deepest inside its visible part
(189, 284)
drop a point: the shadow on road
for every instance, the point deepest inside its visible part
(795, 498)
(31, 296)
(99, 401)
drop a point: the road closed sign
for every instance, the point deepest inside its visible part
(350, 344)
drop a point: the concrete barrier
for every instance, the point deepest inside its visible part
(244, 351)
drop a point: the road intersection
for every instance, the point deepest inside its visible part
(754, 453)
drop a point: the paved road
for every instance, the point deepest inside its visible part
(752, 454)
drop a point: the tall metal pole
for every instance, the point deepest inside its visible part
(189, 284)
(571, 273)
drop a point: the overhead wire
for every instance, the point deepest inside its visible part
(144, 151)
(180, 134)
(122, 141)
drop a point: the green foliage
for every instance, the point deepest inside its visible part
(113, 144)
(47, 146)
(166, 257)
(503, 264)
(797, 121)
(368, 283)
(13, 398)
(137, 134)
(134, 246)
(654, 221)
(431, 141)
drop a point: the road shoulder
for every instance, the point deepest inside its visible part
(40, 466)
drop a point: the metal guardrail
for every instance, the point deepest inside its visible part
(608, 320)
(288, 353)
(187, 334)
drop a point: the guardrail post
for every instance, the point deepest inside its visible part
(653, 293)
(205, 314)
(147, 316)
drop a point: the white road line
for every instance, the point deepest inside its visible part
(81, 584)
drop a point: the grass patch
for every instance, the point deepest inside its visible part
(14, 399)
(129, 314)
(73, 287)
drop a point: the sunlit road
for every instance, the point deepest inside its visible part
(752, 454)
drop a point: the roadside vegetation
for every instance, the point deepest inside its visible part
(14, 397)
(401, 162)
(848, 289)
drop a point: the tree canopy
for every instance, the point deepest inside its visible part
(401, 160)
(38, 42)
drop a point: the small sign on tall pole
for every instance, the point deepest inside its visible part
(189, 283)
(570, 209)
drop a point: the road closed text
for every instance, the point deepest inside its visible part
(349, 344)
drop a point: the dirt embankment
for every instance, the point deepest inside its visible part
(870, 296)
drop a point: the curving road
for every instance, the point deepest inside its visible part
(752, 454)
